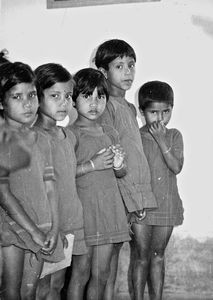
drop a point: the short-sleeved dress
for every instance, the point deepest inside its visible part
(70, 207)
(135, 187)
(104, 214)
(27, 185)
(164, 181)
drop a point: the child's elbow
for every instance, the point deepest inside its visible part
(178, 169)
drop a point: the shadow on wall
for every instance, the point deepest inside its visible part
(189, 270)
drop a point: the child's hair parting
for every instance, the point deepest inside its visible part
(86, 80)
(49, 74)
(12, 74)
(155, 91)
(110, 50)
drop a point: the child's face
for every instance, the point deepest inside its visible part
(158, 112)
(90, 107)
(20, 104)
(121, 73)
(57, 101)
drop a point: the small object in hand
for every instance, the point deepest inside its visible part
(141, 214)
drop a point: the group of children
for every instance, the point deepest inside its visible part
(102, 178)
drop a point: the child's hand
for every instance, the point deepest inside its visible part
(103, 159)
(39, 237)
(64, 240)
(50, 243)
(119, 155)
(158, 130)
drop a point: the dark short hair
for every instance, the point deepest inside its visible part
(110, 50)
(86, 80)
(49, 74)
(155, 91)
(12, 74)
(3, 58)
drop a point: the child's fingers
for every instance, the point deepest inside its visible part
(65, 242)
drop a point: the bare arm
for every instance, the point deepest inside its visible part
(14, 209)
(52, 235)
(100, 161)
(173, 162)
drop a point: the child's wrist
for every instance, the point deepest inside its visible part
(119, 168)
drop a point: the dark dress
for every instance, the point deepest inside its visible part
(70, 207)
(135, 187)
(28, 186)
(104, 214)
(164, 181)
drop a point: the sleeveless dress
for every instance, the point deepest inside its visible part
(135, 187)
(104, 214)
(163, 180)
(70, 207)
(27, 185)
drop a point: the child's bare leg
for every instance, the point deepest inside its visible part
(133, 253)
(160, 239)
(31, 274)
(13, 263)
(100, 271)
(110, 286)
(141, 240)
(80, 273)
(43, 288)
(56, 285)
(1, 263)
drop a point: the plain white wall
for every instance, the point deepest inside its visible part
(173, 40)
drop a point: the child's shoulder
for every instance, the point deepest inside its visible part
(174, 132)
(110, 131)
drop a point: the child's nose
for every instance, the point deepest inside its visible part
(64, 101)
(160, 117)
(27, 103)
(94, 101)
(128, 70)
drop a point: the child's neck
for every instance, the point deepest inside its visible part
(91, 126)
(115, 92)
(45, 123)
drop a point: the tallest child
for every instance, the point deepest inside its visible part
(116, 59)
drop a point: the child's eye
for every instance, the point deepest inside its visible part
(69, 97)
(55, 96)
(86, 96)
(17, 97)
(33, 94)
(166, 111)
(101, 97)
(131, 66)
(119, 67)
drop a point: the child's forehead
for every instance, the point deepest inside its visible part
(123, 58)
(23, 86)
(156, 105)
(62, 86)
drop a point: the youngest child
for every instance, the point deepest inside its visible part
(163, 148)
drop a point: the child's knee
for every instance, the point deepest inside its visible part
(158, 255)
(57, 282)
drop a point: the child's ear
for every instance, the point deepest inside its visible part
(103, 71)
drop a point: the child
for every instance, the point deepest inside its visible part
(116, 59)
(55, 89)
(99, 158)
(30, 226)
(164, 151)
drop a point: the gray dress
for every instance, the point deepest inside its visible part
(104, 214)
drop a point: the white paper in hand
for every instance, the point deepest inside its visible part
(49, 268)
